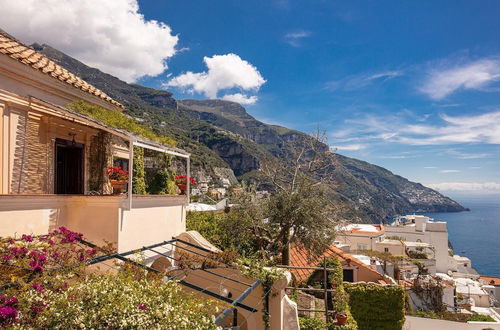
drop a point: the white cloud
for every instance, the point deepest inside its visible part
(294, 38)
(466, 186)
(463, 155)
(449, 171)
(240, 98)
(349, 147)
(401, 128)
(430, 167)
(111, 35)
(473, 75)
(224, 72)
(355, 82)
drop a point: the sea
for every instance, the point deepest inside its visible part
(475, 233)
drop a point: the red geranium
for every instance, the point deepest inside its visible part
(180, 179)
(117, 173)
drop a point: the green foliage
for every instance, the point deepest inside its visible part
(138, 180)
(163, 183)
(481, 318)
(377, 307)
(225, 230)
(309, 323)
(117, 119)
(417, 254)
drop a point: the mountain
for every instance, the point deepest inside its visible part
(224, 139)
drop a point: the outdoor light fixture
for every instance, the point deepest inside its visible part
(73, 142)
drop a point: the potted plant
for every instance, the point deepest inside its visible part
(118, 178)
(341, 318)
(181, 182)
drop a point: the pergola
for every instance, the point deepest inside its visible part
(133, 140)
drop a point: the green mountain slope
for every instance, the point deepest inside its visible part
(222, 136)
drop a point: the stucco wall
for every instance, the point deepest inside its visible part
(151, 220)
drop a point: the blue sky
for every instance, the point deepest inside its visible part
(413, 86)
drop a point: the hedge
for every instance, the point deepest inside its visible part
(375, 306)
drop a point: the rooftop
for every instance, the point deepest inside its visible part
(301, 258)
(490, 280)
(30, 57)
(363, 228)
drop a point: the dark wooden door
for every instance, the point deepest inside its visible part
(69, 167)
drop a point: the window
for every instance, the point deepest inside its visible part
(386, 249)
(362, 246)
(348, 275)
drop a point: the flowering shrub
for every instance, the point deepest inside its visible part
(113, 302)
(46, 285)
(180, 179)
(34, 255)
(117, 173)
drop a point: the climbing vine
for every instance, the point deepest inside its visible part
(99, 159)
(138, 178)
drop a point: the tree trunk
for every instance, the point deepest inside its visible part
(285, 252)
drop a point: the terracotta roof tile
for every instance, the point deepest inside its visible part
(28, 56)
(492, 280)
(300, 258)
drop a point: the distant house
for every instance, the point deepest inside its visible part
(354, 270)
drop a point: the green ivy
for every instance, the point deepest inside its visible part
(118, 119)
(163, 183)
(138, 177)
(377, 307)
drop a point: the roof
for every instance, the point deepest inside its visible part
(490, 279)
(301, 258)
(38, 61)
(363, 229)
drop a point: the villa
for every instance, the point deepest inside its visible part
(53, 163)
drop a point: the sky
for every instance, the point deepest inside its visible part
(413, 86)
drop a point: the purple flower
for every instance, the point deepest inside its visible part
(142, 307)
(51, 242)
(33, 263)
(27, 238)
(12, 301)
(38, 287)
(7, 315)
(55, 255)
(42, 257)
(37, 309)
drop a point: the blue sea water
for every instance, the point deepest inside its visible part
(476, 234)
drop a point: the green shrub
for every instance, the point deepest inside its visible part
(481, 318)
(309, 323)
(163, 183)
(377, 307)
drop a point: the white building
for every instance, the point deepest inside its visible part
(419, 228)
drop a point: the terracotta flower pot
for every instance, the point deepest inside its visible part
(118, 186)
(182, 187)
(341, 318)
